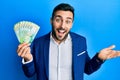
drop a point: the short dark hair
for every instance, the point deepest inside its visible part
(64, 7)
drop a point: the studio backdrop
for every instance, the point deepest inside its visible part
(97, 20)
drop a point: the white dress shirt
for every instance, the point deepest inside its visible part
(60, 59)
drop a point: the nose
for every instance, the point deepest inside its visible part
(63, 24)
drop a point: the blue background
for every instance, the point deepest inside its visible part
(97, 20)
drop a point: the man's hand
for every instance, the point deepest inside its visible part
(24, 51)
(108, 53)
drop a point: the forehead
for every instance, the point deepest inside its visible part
(64, 14)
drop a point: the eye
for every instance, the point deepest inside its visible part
(68, 21)
(58, 20)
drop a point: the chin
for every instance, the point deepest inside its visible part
(62, 38)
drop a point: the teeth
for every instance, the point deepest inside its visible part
(62, 31)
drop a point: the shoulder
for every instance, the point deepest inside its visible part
(78, 41)
(42, 38)
(77, 36)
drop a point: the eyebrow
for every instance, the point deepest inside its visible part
(69, 18)
(61, 17)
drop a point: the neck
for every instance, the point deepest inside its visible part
(57, 40)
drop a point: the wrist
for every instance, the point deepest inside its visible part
(26, 59)
(101, 58)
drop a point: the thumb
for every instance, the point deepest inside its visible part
(111, 47)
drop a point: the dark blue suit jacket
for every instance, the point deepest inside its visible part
(81, 62)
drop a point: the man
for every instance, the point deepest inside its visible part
(61, 54)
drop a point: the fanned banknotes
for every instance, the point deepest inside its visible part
(26, 31)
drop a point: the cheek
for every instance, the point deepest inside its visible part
(69, 27)
(55, 26)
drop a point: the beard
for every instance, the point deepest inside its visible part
(58, 37)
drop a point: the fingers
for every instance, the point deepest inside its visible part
(108, 53)
(22, 46)
(26, 51)
(118, 53)
(111, 47)
(23, 49)
(112, 54)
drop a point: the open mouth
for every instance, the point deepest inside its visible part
(61, 32)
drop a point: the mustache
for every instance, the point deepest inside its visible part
(60, 29)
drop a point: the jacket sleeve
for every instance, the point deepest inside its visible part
(29, 68)
(93, 64)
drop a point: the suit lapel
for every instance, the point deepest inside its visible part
(46, 54)
(74, 57)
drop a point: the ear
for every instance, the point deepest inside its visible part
(51, 21)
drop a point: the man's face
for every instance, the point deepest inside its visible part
(61, 25)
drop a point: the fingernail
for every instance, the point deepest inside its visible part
(114, 46)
